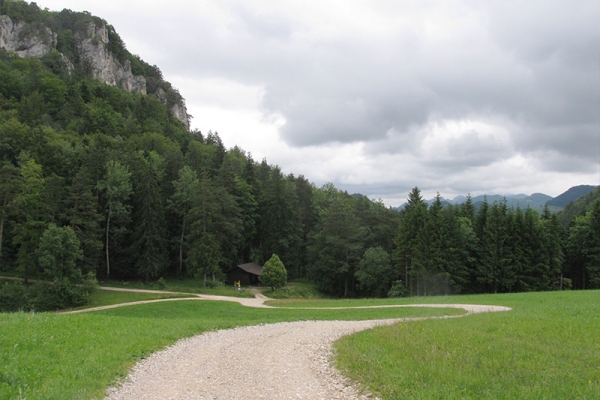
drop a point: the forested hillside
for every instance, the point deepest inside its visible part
(110, 181)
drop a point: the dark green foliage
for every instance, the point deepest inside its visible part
(59, 253)
(583, 249)
(39, 297)
(274, 275)
(117, 189)
(397, 290)
(21, 11)
(146, 198)
(149, 232)
(57, 296)
(14, 297)
(496, 271)
(375, 272)
(335, 248)
(411, 242)
(578, 207)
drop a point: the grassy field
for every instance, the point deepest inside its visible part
(53, 356)
(548, 347)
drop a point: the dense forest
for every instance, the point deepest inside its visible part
(99, 181)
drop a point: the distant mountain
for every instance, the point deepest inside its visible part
(459, 199)
(539, 198)
(536, 201)
(570, 195)
(578, 207)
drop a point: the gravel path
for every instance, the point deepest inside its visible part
(275, 361)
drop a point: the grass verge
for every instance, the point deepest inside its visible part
(182, 285)
(547, 347)
(52, 356)
(100, 297)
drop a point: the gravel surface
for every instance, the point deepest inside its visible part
(275, 361)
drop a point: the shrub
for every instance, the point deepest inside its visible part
(161, 283)
(60, 295)
(13, 297)
(274, 274)
(397, 289)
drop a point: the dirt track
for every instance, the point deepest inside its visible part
(275, 361)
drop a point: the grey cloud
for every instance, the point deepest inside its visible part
(531, 68)
(471, 150)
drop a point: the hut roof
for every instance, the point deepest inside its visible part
(251, 268)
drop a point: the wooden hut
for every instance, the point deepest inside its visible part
(246, 274)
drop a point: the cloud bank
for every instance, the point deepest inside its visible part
(379, 97)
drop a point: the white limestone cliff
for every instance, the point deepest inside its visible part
(13, 37)
(93, 50)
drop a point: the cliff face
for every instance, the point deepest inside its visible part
(29, 41)
(92, 47)
(26, 43)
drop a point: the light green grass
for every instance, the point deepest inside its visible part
(548, 347)
(53, 356)
(108, 297)
(182, 285)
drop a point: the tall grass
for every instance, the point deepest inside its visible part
(548, 347)
(52, 356)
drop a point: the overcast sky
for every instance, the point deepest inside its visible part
(456, 97)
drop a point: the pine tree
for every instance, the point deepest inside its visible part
(335, 245)
(149, 234)
(412, 241)
(83, 217)
(495, 268)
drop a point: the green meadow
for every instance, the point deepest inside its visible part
(53, 356)
(547, 347)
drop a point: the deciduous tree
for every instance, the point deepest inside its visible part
(117, 189)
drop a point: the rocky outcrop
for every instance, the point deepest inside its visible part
(92, 46)
(23, 40)
(178, 109)
(104, 66)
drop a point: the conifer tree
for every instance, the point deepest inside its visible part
(149, 233)
(274, 274)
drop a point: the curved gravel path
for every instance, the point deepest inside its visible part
(275, 361)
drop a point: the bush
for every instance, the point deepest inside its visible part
(397, 289)
(161, 283)
(212, 284)
(90, 283)
(14, 297)
(60, 295)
